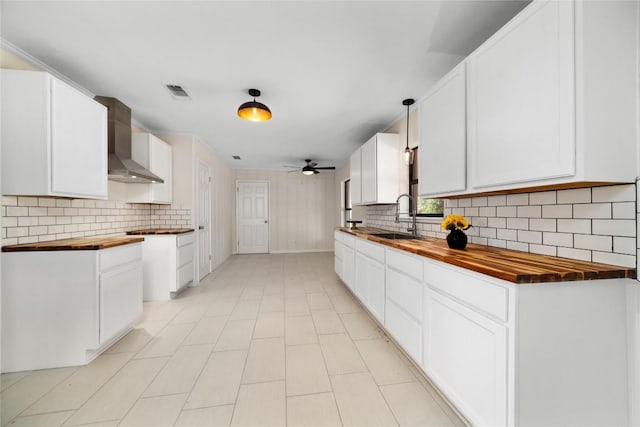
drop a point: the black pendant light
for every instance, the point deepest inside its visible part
(253, 110)
(408, 152)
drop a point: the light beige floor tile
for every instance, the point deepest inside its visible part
(296, 306)
(236, 335)
(306, 372)
(219, 381)
(341, 355)
(383, 362)
(191, 313)
(265, 361)
(252, 292)
(75, 390)
(444, 406)
(269, 324)
(102, 424)
(165, 310)
(167, 342)
(314, 410)
(119, 394)
(217, 416)
(335, 289)
(327, 322)
(152, 327)
(360, 326)
(313, 287)
(181, 371)
(222, 306)
(276, 287)
(7, 380)
(272, 303)
(133, 342)
(412, 405)
(245, 310)
(344, 303)
(155, 411)
(319, 301)
(300, 330)
(29, 389)
(360, 402)
(206, 331)
(54, 419)
(260, 404)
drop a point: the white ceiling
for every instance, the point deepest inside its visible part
(332, 72)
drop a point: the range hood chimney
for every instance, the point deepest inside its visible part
(121, 167)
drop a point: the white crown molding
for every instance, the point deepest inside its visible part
(35, 62)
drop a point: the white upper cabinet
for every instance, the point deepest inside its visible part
(443, 135)
(379, 170)
(521, 99)
(355, 186)
(54, 138)
(155, 155)
(551, 100)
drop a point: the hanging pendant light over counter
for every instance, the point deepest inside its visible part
(408, 152)
(253, 110)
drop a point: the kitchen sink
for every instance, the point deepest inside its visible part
(394, 236)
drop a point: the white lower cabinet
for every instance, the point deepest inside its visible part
(338, 254)
(370, 283)
(167, 264)
(64, 308)
(349, 261)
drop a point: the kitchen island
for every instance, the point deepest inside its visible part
(66, 301)
(510, 338)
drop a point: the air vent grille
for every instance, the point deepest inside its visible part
(178, 92)
(236, 157)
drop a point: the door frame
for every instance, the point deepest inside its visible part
(237, 234)
(202, 164)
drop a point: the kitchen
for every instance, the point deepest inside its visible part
(566, 214)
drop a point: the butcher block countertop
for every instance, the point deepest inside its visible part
(505, 264)
(160, 231)
(78, 244)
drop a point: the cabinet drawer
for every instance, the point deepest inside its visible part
(184, 275)
(411, 265)
(371, 250)
(349, 240)
(405, 292)
(405, 329)
(489, 297)
(120, 300)
(112, 257)
(184, 239)
(184, 255)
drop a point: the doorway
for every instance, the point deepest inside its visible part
(252, 217)
(205, 257)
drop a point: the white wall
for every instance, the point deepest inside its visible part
(302, 209)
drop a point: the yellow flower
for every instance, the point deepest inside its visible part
(455, 222)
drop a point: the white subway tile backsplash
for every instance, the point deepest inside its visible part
(517, 199)
(543, 250)
(479, 201)
(497, 222)
(624, 245)
(529, 211)
(594, 243)
(488, 232)
(557, 239)
(574, 226)
(487, 211)
(500, 200)
(518, 246)
(507, 211)
(578, 195)
(592, 210)
(615, 227)
(614, 193)
(27, 201)
(557, 211)
(9, 201)
(464, 203)
(530, 236)
(572, 253)
(542, 224)
(624, 210)
(613, 258)
(543, 198)
(497, 243)
(518, 223)
(17, 211)
(506, 234)
(469, 212)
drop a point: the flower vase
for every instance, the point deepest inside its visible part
(456, 239)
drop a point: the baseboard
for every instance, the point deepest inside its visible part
(302, 251)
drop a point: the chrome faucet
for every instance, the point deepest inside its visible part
(413, 229)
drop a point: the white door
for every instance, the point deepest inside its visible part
(203, 217)
(253, 217)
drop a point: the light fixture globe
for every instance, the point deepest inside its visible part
(307, 170)
(408, 152)
(254, 111)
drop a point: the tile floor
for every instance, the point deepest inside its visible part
(266, 340)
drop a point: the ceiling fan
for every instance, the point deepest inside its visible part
(312, 168)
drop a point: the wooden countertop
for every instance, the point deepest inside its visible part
(78, 244)
(505, 264)
(160, 231)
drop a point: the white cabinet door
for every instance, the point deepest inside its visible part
(355, 164)
(370, 285)
(521, 99)
(338, 251)
(443, 136)
(155, 155)
(349, 267)
(465, 354)
(78, 143)
(120, 299)
(369, 175)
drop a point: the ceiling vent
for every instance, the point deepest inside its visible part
(178, 92)
(236, 157)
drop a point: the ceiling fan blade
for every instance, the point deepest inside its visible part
(326, 167)
(312, 164)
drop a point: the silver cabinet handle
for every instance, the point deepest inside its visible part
(201, 227)
(265, 221)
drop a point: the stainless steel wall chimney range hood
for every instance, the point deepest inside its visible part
(121, 167)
